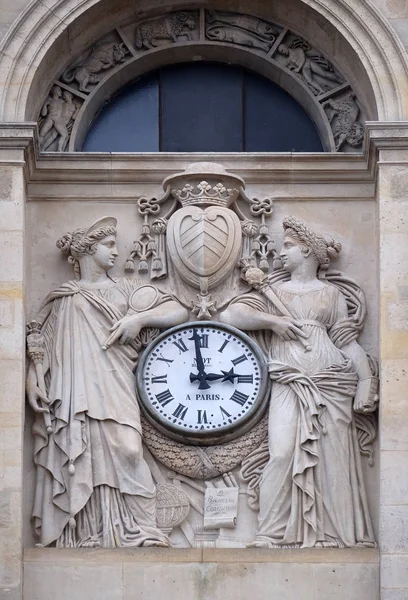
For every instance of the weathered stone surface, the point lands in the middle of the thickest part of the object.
(176, 575)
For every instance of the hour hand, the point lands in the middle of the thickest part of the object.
(202, 378)
(229, 375)
(206, 376)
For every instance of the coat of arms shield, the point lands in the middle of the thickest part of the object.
(204, 244)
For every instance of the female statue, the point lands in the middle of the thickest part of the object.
(93, 485)
(311, 491)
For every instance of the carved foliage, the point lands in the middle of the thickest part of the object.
(202, 462)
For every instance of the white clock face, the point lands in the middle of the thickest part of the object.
(201, 380)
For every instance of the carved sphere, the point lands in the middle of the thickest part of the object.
(172, 506)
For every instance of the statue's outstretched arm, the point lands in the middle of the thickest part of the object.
(164, 315)
(244, 317)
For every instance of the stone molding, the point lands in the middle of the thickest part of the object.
(205, 555)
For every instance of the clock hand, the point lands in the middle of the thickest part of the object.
(207, 377)
(201, 377)
(229, 375)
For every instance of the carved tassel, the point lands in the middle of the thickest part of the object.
(264, 265)
(143, 266)
(157, 264)
(130, 265)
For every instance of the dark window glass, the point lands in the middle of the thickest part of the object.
(202, 107)
(274, 121)
(129, 122)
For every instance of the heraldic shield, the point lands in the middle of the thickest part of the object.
(204, 244)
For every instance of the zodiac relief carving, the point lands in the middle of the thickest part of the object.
(278, 46)
(343, 115)
(283, 415)
(59, 112)
(100, 58)
(171, 27)
(243, 30)
(309, 66)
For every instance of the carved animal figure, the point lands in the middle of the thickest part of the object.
(344, 121)
(101, 58)
(169, 27)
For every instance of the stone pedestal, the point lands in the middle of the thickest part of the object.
(202, 574)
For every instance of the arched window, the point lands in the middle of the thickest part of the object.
(202, 107)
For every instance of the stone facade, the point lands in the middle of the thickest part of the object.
(361, 198)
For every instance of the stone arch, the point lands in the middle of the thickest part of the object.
(352, 32)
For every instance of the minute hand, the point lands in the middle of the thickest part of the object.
(200, 363)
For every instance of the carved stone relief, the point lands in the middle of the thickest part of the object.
(316, 71)
(172, 27)
(111, 473)
(343, 113)
(90, 68)
(276, 44)
(57, 118)
(243, 30)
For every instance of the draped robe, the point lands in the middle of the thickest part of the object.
(312, 489)
(93, 484)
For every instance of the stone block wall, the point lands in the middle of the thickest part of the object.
(393, 221)
(12, 367)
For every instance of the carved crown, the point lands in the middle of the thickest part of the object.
(204, 184)
(205, 193)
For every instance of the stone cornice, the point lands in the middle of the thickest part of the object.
(385, 135)
(18, 143)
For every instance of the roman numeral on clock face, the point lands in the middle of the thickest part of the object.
(245, 378)
(223, 346)
(204, 340)
(239, 397)
(224, 413)
(202, 416)
(180, 412)
(164, 397)
(239, 360)
(168, 361)
(181, 345)
(159, 379)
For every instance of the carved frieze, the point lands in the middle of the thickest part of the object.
(70, 94)
(90, 68)
(243, 30)
(169, 28)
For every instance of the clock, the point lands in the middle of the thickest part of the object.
(203, 383)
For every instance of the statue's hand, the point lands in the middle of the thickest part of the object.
(125, 330)
(287, 328)
(366, 398)
(35, 397)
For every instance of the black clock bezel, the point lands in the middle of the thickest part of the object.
(225, 433)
